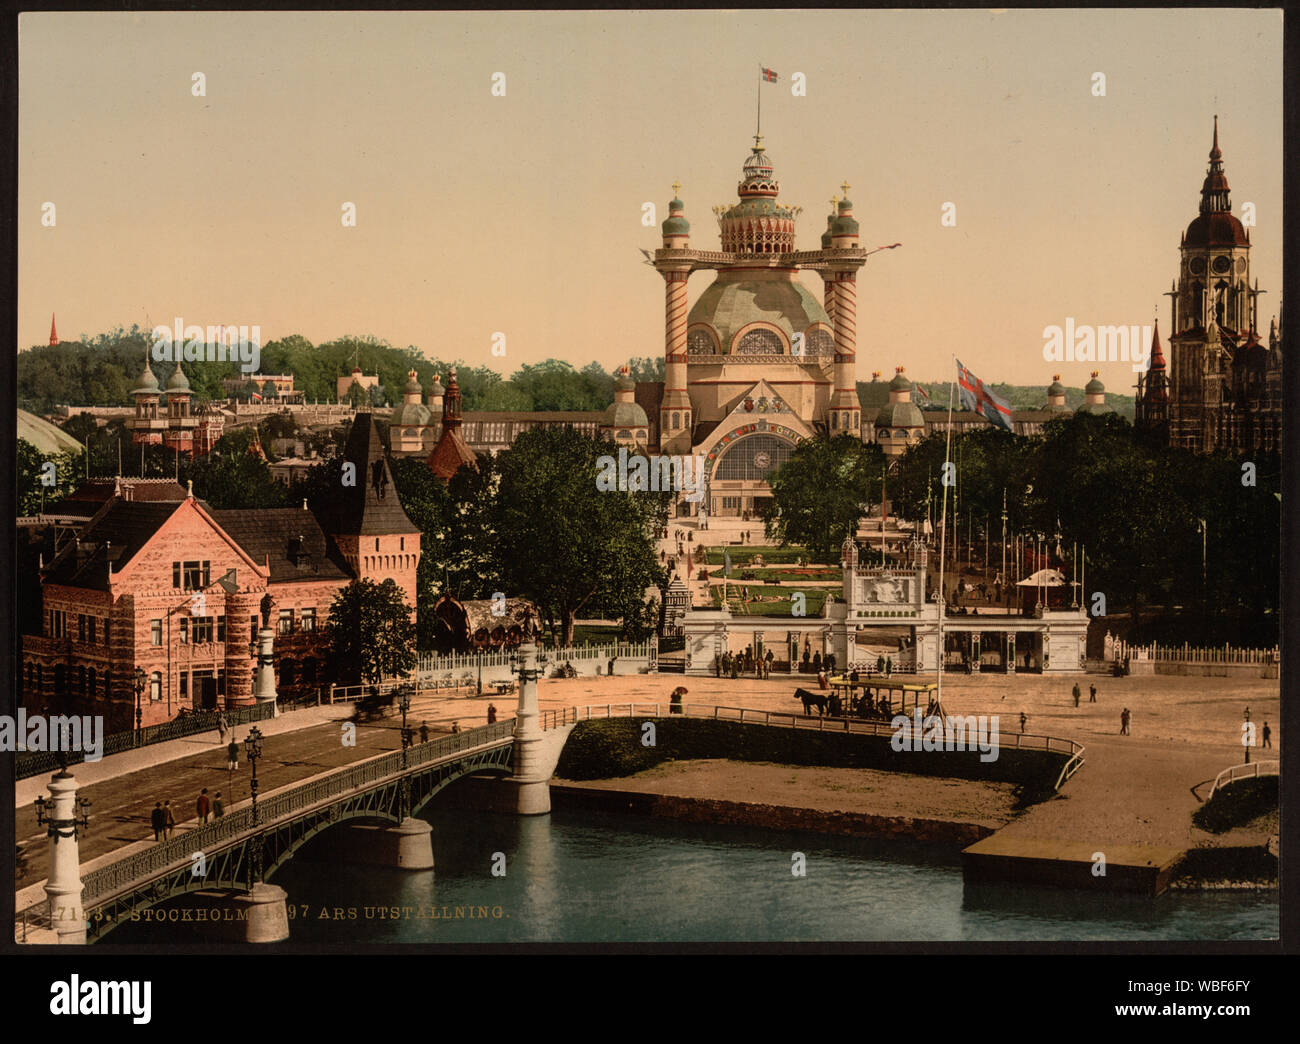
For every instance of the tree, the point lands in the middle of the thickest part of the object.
(562, 541)
(232, 477)
(33, 471)
(370, 633)
(821, 492)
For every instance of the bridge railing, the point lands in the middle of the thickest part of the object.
(107, 880)
(1247, 771)
(793, 719)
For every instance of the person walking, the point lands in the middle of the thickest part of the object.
(222, 727)
(492, 714)
(1123, 722)
(455, 727)
(157, 821)
(232, 755)
(218, 806)
(1092, 693)
(169, 820)
(424, 732)
(1024, 719)
(1076, 694)
(203, 806)
(1268, 733)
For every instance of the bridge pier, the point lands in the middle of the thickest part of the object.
(267, 916)
(407, 845)
(537, 750)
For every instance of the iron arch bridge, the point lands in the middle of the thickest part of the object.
(288, 819)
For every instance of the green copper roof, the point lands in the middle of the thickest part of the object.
(899, 415)
(728, 307)
(148, 383)
(178, 382)
(626, 415)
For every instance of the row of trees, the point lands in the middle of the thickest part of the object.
(102, 372)
(1187, 544)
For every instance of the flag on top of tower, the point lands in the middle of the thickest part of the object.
(974, 396)
(769, 74)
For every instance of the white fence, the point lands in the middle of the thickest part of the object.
(1118, 649)
(587, 660)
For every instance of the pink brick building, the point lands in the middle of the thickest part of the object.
(178, 590)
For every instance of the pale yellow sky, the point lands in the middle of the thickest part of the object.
(522, 214)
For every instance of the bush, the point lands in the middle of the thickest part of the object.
(1237, 804)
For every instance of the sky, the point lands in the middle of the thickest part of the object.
(480, 213)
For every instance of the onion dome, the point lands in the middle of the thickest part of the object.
(412, 384)
(1056, 396)
(625, 411)
(178, 382)
(1215, 225)
(148, 383)
(899, 415)
(1094, 395)
(676, 224)
(410, 415)
(900, 383)
(1056, 387)
(830, 221)
(845, 224)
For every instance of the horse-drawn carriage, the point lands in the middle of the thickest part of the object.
(870, 699)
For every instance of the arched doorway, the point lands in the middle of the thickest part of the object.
(743, 463)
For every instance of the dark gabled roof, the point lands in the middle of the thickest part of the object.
(371, 507)
(702, 431)
(116, 534)
(88, 498)
(289, 538)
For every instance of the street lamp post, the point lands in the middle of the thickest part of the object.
(408, 737)
(139, 691)
(253, 749)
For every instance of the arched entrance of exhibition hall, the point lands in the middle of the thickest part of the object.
(738, 482)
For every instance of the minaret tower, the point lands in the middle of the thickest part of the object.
(843, 275)
(675, 411)
(828, 281)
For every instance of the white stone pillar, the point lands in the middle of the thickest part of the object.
(64, 886)
(537, 751)
(264, 686)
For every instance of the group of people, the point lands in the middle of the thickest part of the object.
(163, 819)
(733, 665)
(864, 706)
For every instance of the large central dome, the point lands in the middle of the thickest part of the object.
(757, 312)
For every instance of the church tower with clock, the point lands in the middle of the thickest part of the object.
(1223, 390)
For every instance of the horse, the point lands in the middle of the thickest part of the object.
(810, 700)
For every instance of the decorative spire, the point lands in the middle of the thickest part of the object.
(54, 334)
(1214, 191)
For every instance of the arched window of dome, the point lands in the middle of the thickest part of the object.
(624, 434)
(699, 342)
(819, 342)
(760, 341)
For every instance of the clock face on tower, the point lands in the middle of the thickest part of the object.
(762, 459)
(1222, 264)
(1196, 266)
(1241, 264)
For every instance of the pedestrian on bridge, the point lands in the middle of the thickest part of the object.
(169, 820)
(424, 732)
(157, 821)
(1092, 693)
(455, 727)
(492, 714)
(232, 754)
(1268, 733)
(1024, 719)
(218, 806)
(1123, 722)
(1077, 694)
(221, 728)
(203, 806)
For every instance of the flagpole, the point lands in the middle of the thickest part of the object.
(758, 127)
(943, 535)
